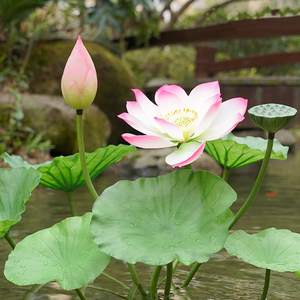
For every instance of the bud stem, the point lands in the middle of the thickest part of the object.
(82, 155)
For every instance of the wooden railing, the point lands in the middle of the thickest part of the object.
(241, 29)
(207, 67)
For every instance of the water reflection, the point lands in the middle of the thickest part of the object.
(222, 278)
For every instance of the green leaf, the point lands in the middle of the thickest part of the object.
(15, 189)
(65, 253)
(236, 152)
(274, 249)
(65, 173)
(182, 215)
(17, 161)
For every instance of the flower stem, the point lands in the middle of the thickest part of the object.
(226, 173)
(153, 282)
(135, 279)
(168, 281)
(72, 203)
(266, 286)
(80, 294)
(82, 155)
(188, 167)
(10, 240)
(191, 274)
(258, 181)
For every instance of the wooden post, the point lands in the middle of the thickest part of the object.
(204, 59)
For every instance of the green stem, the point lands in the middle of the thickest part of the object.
(188, 167)
(175, 264)
(258, 181)
(266, 286)
(72, 203)
(191, 274)
(32, 291)
(82, 155)
(168, 281)
(10, 240)
(106, 290)
(153, 282)
(123, 285)
(226, 173)
(135, 279)
(80, 294)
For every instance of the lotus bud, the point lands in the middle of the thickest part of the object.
(79, 80)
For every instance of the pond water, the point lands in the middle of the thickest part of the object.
(222, 278)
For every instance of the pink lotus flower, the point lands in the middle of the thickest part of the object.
(182, 120)
(79, 80)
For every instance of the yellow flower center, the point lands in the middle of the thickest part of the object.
(183, 118)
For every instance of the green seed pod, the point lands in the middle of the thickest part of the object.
(272, 117)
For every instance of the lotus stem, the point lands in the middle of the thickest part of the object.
(107, 290)
(32, 291)
(72, 203)
(168, 281)
(10, 240)
(82, 155)
(80, 294)
(135, 279)
(188, 167)
(258, 181)
(191, 274)
(226, 173)
(123, 285)
(153, 282)
(266, 286)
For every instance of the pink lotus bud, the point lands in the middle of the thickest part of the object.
(79, 80)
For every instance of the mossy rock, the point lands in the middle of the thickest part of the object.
(53, 116)
(115, 80)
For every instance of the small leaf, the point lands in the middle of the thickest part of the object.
(16, 186)
(274, 249)
(236, 152)
(182, 215)
(17, 161)
(65, 253)
(65, 173)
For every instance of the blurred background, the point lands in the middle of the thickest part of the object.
(136, 44)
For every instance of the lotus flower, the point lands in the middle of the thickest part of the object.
(182, 120)
(79, 80)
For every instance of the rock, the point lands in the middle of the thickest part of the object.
(115, 81)
(150, 163)
(52, 115)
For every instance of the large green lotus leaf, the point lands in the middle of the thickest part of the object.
(236, 152)
(65, 253)
(182, 215)
(274, 249)
(65, 173)
(16, 186)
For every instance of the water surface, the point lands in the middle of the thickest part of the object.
(222, 278)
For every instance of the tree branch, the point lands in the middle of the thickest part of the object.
(175, 15)
(213, 9)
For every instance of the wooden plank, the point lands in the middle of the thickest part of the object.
(241, 29)
(254, 61)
